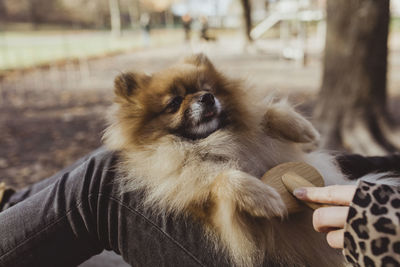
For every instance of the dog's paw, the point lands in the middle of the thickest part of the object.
(259, 199)
(248, 194)
(283, 122)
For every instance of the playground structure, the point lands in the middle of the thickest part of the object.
(293, 17)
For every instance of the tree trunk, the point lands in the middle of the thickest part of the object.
(3, 11)
(134, 12)
(351, 110)
(115, 16)
(34, 13)
(247, 18)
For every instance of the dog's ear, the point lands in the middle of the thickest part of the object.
(199, 60)
(126, 84)
(281, 121)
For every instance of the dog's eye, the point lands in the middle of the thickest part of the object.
(174, 104)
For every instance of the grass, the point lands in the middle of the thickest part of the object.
(395, 24)
(24, 49)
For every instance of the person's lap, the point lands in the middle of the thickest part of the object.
(79, 212)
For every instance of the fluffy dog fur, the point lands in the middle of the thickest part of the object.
(192, 141)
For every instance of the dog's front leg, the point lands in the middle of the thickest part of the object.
(236, 195)
(239, 191)
(281, 121)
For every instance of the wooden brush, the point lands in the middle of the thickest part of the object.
(286, 177)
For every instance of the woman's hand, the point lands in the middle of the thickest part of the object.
(330, 220)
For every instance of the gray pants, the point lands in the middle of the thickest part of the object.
(77, 213)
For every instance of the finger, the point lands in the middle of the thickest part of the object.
(329, 217)
(334, 194)
(335, 238)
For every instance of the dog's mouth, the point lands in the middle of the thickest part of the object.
(203, 120)
(210, 123)
(209, 115)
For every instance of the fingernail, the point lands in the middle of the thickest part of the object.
(300, 192)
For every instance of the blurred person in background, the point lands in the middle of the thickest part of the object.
(187, 25)
(145, 25)
(204, 34)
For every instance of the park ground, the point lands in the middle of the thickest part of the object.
(51, 116)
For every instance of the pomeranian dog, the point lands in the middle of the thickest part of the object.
(193, 141)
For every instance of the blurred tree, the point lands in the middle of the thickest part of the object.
(246, 5)
(35, 12)
(115, 16)
(351, 108)
(41, 11)
(86, 13)
(134, 12)
(3, 10)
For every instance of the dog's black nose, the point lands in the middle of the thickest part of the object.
(207, 99)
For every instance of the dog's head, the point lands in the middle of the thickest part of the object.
(190, 100)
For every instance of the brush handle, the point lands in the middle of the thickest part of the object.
(297, 174)
(291, 181)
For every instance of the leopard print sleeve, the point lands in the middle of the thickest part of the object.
(372, 230)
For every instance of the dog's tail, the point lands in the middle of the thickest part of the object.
(349, 168)
(355, 166)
